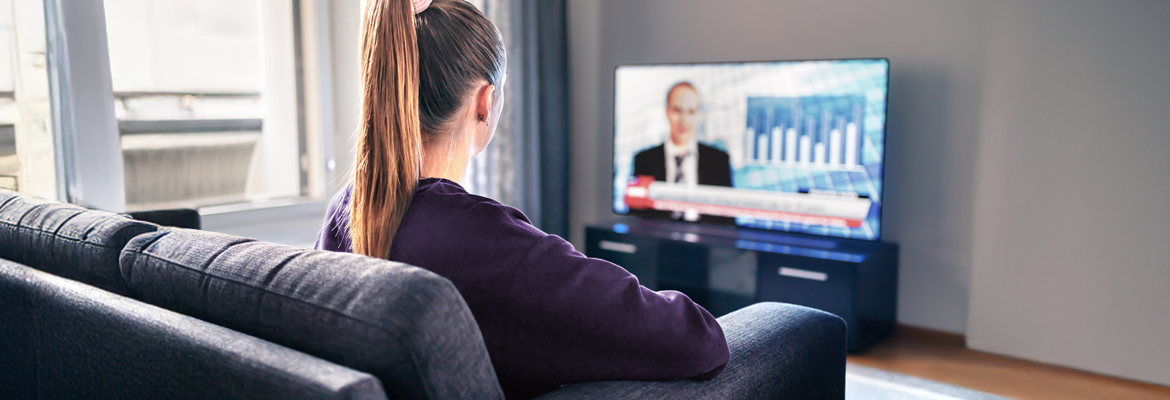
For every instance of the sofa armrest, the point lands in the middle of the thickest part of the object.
(778, 351)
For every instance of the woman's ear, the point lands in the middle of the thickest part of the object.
(483, 103)
(482, 133)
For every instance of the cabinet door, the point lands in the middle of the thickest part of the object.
(826, 285)
(637, 254)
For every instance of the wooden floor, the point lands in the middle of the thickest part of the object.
(944, 358)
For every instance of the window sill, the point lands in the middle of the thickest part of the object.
(293, 221)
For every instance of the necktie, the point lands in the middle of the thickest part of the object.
(678, 178)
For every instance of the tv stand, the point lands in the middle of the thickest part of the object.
(727, 268)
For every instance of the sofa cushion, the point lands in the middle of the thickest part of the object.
(405, 325)
(61, 339)
(66, 240)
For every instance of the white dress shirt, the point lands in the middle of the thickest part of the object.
(690, 171)
(690, 165)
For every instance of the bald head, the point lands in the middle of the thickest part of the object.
(682, 110)
(683, 86)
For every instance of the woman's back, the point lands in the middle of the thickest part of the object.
(549, 315)
(431, 75)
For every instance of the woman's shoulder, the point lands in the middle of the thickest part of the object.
(446, 201)
(339, 204)
(334, 235)
(443, 206)
(447, 228)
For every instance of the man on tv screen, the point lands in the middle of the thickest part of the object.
(682, 159)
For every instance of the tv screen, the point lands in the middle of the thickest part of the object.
(793, 146)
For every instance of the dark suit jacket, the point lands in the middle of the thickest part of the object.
(714, 165)
(714, 169)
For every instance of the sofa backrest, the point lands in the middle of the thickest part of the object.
(61, 339)
(66, 240)
(407, 326)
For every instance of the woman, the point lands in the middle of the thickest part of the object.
(432, 75)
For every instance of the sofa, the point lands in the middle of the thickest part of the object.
(101, 305)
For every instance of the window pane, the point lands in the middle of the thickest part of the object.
(207, 101)
(26, 134)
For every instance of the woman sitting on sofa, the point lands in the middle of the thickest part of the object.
(432, 75)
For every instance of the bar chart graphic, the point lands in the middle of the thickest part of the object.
(810, 143)
(819, 132)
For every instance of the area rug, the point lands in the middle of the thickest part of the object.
(864, 383)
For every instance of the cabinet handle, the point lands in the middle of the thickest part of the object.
(804, 274)
(618, 247)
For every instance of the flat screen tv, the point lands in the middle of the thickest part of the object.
(792, 146)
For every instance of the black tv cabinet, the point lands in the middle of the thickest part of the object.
(726, 268)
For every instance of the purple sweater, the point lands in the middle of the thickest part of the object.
(549, 315)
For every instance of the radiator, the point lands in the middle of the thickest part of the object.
(195, 168)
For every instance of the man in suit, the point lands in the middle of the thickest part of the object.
(682, 159)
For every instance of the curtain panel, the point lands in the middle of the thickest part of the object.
(527, 164)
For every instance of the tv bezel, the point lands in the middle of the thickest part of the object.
(885, 142)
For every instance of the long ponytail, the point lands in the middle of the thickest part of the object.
(389, 148)
(416, 71)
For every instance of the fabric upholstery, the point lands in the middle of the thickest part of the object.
(778, 351)
(66, 240)
(405, 325)
(61, 339)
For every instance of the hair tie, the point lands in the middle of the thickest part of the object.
(420, 5)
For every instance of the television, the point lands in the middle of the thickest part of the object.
(791, 146)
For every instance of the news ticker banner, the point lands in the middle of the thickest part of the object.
(815, 208)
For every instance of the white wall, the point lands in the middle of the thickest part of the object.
(1071, 257)
(935, 51)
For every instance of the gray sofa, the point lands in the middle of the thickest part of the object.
(98, 305)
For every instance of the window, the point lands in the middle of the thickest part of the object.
(210, 98)
(27, 158)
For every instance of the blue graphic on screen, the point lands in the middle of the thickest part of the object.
(788, 127)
